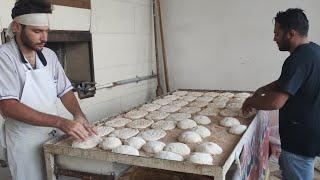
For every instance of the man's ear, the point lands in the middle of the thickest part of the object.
(16, 27)
(291, 33)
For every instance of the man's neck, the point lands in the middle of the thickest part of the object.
(298, 43)
(28, 53)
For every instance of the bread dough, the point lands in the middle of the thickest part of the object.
(136, 142)
(190, 110)
(164, 125)
(91, 142)
(124, 133)
(136, 114)
(201, 158)
(201, 119)
(153, 134)
(180, 93)
(150, 107)
(117, 122)
(210, 148)
(238, 129)
(140, 123)
(178, 148)
(168, 156)
(162, 102)
(229, 121)
(125, 149)
(228, 112)
(157, 115)
(104, 130)
(109, 143)
(209, 111)
(153, 147)
(189, 98)
(217, 104)
(178, 116)
(205, 98)
(186, 124)
(196, 94)
(198, 104)
(190, 137)
(234, 106)
(171, 97)
(202, 131)
(179, 103)
(170, 108)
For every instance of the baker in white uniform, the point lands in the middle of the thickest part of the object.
(31, 81)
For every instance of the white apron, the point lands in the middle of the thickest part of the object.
(24, 141)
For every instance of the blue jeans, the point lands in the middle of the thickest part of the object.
(296, 167)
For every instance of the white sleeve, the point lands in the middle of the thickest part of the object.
(9, 86)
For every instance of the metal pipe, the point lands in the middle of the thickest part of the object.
(127, 81)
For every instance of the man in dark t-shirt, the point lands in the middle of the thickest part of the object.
(296, 94)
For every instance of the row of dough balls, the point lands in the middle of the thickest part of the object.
(234, 125)
(168, 122)
(173, 151)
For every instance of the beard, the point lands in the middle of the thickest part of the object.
(284, 44)
(28, 42)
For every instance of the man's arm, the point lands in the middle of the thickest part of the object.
(272, 100)
(16, 110)
(265, 89)
(71, 104)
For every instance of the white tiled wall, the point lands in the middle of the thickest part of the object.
(122, 48)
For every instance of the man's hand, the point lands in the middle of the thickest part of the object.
(74, 128)
(90, 128)
(246, 107)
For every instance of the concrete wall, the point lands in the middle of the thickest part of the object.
(122, 48)
(226, 44)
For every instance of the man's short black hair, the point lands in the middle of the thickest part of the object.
(22, 7)
(293, 18)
